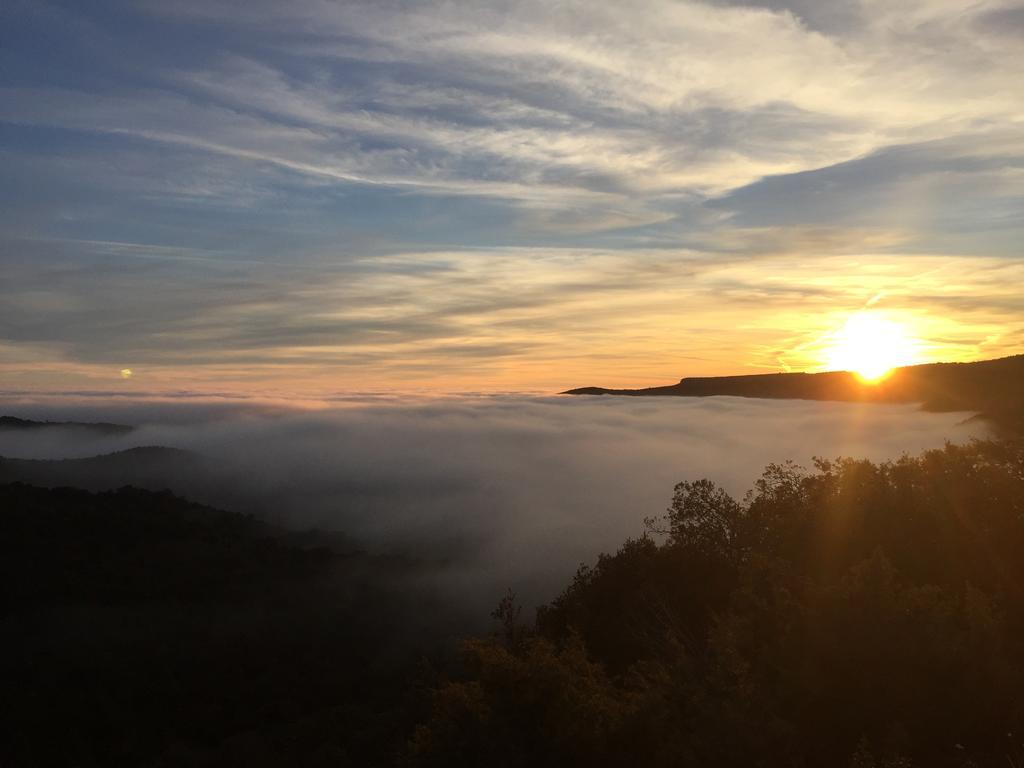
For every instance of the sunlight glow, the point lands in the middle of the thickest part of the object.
(870, 346)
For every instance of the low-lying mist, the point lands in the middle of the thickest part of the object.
(491, 492)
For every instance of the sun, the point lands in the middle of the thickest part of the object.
(870, 346)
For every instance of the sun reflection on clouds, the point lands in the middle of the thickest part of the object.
(511, 319)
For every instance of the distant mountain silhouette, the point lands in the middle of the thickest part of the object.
(151, 467)
(993, 388)
(14, 423)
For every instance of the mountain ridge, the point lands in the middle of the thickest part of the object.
(992, 388)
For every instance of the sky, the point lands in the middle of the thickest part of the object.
(308, 197)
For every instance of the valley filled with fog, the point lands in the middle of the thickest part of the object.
(485, 493)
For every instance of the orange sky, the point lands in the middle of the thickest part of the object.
(686, 316)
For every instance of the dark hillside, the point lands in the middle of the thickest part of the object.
(151, 467)
(137, 628)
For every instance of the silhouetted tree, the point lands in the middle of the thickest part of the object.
(858, 614)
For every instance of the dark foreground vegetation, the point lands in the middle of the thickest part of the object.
(990, 387)
(855, 615)
(137, 628)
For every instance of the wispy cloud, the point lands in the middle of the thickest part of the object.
(535, 318)
(533, 102)
(297, 191)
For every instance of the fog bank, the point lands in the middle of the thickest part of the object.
(495, 492)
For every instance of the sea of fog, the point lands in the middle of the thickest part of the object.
(493, 492)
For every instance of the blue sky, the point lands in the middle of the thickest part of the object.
(499, 195)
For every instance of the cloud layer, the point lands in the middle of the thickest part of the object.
(245, 194)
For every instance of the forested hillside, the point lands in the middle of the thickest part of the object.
(854, 615)
(137, 628)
